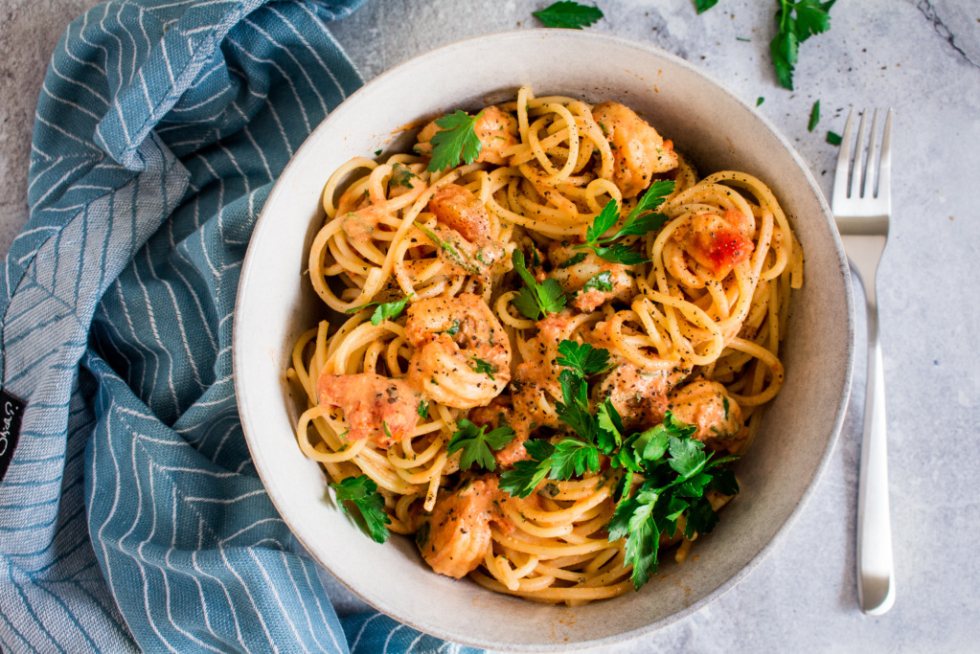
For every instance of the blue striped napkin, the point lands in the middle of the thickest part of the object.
(130, 513)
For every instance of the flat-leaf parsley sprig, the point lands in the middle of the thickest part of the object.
(476, 444)
(456, 140)
(673, 470)
(363, 493)
(676, 474)
(578, 452)
(535, 300)
(640, 220)
(568, 14)
(796, 22)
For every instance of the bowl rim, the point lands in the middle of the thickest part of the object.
(265, 222)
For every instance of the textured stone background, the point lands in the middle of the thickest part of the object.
(921, 57)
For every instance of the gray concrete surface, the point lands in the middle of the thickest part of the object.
(921, 57)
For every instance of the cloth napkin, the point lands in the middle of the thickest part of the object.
(131, 516)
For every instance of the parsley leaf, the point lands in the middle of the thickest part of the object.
(834, 138)
(568, 14)
(573, 457)
(363, 493)
(759, 101)
(704, 5)
(639, 221)
(601, 282)
(583, 358)
(485, 367)
(453, 329)
(423, 409)
(526, 475)
(610, 427)
(401, 175)
(796, 22)
(536, 299)
(677, 473)
(814, 116)
(476, 444)
(456, 140)
(577, 259)
(385, 311)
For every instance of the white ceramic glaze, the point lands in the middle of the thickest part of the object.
(716, 130)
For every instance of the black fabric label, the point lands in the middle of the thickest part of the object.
(11, 413)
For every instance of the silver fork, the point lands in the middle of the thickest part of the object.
(862, 205)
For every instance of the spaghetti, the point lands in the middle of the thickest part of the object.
(693, 329)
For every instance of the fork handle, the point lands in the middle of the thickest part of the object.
(875, 568)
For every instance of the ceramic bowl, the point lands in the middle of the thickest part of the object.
(716, 130)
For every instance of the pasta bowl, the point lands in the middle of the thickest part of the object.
(716, 130)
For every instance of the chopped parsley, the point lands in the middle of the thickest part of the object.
(568, 14)
(423, 409)
(759, 101)
(834, 138)
(601, 282)
(456, 140)
(453, 329)
(402, 176)
(363, 493)
(385, 311)
(476, 444)
(575, 260)
(814, 116)
(484, 367)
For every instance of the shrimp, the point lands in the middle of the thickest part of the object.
(638, 150)
(497, 131)
(707, 406)
(457, 208)
(591, 281)
(384, 409)
(462, 354)
(719, 243)
(640, 396)
(457, 537)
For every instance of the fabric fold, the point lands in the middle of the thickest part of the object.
(130, 515)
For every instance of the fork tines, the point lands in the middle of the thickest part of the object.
(860, 177)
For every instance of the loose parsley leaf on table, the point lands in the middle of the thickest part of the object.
(363, 493)
(796, 22)
(476, 444)
(834, 138)
(536, 299)
(568, 14)
(759, 101)
(814, 116)
(640, 220)
(704, 5)
(456, 140)
(385, 311)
